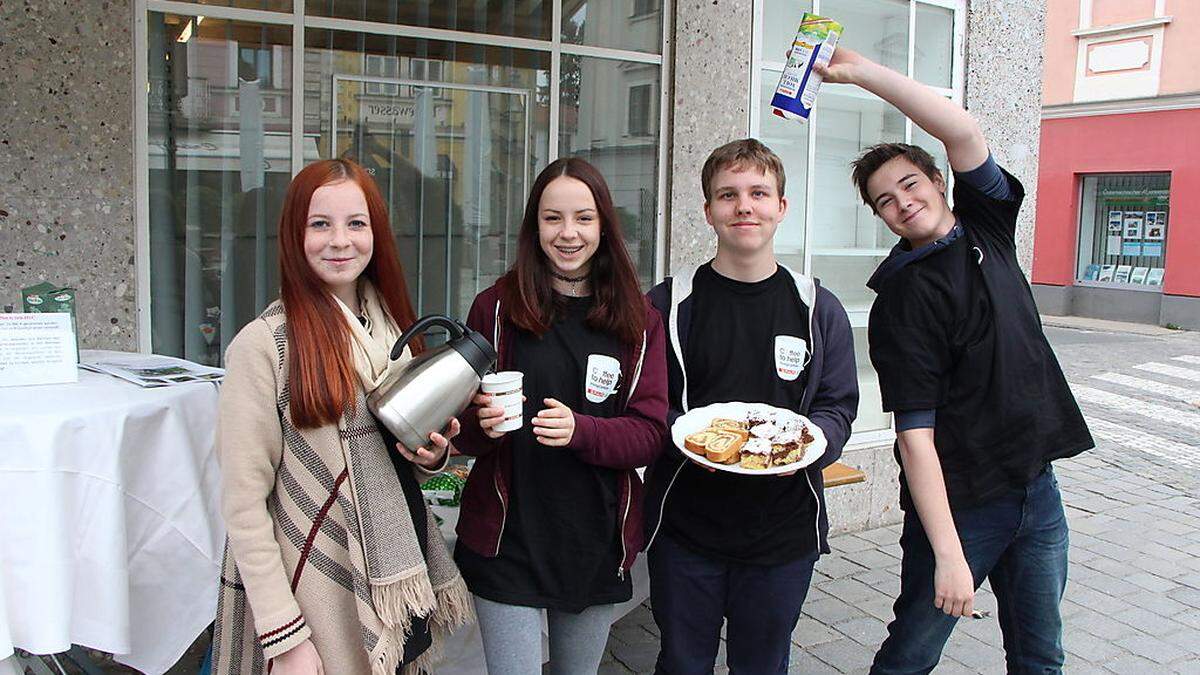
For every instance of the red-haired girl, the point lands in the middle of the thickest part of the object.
(333, 562)
(551, 514)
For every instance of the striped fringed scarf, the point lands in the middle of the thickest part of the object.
(349, 548)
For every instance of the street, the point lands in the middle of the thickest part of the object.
(1133, 594)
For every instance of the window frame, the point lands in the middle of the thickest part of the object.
(1080, 266)
(299, 23)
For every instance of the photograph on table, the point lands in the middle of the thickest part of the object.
(1139, 275)
(1122, 275)
(1155, 277)
(1106, 272)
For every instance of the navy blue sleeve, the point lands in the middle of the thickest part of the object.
(835, 403)
(915, 419)
(988, 179)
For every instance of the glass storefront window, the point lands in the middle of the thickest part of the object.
(453, 161)
(453, 131)
(933, 58)
(877, 29)
(513, 18)
(609, 116)
(778, 134)
(849, 242)
(270, 5)
(219, 123)
(621, 24)
(845, 241)
(1123, 221)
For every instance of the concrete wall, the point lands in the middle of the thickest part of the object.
(710, 106)
(1004, 92)
(1134, 142)
(66, 160)
(1118, 304)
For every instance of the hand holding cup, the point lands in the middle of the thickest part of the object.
(500, 403)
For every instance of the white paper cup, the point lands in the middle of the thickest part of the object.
(512, 400)
(505, 389)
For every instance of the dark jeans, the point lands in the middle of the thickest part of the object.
(1019, 543)
(691, 595)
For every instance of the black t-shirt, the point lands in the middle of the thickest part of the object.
(730, 355)
(958, 331)
(561, 547)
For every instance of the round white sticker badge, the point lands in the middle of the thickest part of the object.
(790, 353)
(603, 373)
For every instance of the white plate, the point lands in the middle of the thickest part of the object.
(699, 418)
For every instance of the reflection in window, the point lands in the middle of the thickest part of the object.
(609, 23)
(591, 126)
(1123, 222)
(514, 18)
(640, 109)
(643, 7)
(454, 162)
(219, 120)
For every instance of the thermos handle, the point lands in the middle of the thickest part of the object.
(423, 324)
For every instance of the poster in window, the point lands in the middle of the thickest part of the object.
(1131, 249)
(1106, 272)
(1139, 275)
(1156, 222)
(1122, 275)
(1091, 272)
(1155, 277)
(1114, 244)
(1115, 222)
(1133, 224)
(1152, 250)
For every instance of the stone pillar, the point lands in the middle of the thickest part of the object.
(710, 106)
(1004, 92)
(66, 160)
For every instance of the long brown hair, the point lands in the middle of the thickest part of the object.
(527, 297)
(322, 379)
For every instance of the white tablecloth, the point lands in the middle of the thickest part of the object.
(110, 535)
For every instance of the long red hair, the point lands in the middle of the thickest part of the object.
(322, 379)
(527, 297)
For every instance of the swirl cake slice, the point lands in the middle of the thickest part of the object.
(724, 447)
(698, 441)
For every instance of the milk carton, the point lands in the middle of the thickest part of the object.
(797, 89)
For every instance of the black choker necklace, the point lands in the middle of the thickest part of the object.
(563, 277)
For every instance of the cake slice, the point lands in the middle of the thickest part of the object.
(724, 447)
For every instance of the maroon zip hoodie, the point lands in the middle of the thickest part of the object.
(632, 440)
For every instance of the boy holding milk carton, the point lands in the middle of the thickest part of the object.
(981, 404)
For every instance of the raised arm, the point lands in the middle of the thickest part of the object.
(937, 115)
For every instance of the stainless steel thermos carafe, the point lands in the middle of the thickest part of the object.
(421, 396)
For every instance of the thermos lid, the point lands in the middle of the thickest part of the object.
(476, 350)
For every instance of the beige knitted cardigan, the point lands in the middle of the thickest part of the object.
(300, 475)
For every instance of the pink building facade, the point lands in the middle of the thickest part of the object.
(1118, 213)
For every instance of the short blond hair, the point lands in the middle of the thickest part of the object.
(745, 153)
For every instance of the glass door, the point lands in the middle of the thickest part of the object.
(450, 133)
(441, 154)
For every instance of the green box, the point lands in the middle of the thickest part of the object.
(46, 298)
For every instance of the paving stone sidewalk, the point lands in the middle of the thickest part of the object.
(1133, 596)
(1132, 602)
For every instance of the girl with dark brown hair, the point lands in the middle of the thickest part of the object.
(551, 514)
